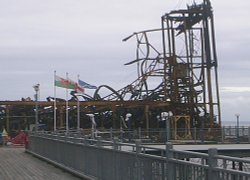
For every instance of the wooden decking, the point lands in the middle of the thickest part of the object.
(15, 164)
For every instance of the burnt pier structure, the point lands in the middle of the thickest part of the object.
(177, 80)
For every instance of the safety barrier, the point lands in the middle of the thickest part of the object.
(228, 134)
(113, 160)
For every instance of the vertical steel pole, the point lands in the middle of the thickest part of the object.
(164, 58)
(237, 127)
(36, 126)
(248, 134)
(212, 163)
(166, 121)
(222, 134)
(216, 69)
(138, 160)
(36, 88)
(7, 119)
(55, 120)
(170, 172)
(168, 127)
(78, 115)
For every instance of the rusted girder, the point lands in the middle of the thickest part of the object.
(128, 104)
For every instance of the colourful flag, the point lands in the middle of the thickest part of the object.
(79, 89)
(64, 83)
(86, 85)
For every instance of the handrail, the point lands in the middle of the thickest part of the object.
(211, 165)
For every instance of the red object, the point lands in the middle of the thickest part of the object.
(20, 139)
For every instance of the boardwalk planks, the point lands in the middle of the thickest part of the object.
(15, 164)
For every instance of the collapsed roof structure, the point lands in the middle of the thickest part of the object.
(180, 67)
(177, 75)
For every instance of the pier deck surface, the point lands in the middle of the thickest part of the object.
(15, 164)
(237, 150)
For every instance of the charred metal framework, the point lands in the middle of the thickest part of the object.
(181, 69)
(190, 62)
(177, 74)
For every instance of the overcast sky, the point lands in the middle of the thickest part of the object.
(85, 37)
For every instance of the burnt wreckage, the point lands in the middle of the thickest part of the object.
(180, 69)
(177, 78)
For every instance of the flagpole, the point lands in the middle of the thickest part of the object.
(78, 109)
(67, 103)
(54, 101)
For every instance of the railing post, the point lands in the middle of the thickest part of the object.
(249, 134)
(111, 133)
(138, 162)
(139, 132)
(115, 143)
(99, 142)
(121, 134)
(195, 134)
(86, 142)
(202, 134)
(237, 134)
(223, 134)
(138, 145)
(170, 166)
(212, 163)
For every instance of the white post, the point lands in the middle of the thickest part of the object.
(67, 104)
(78, 108)
(237, 127)
(54, 101)
(78, 115)
(36, 88)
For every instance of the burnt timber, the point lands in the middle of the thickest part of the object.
(176, 74)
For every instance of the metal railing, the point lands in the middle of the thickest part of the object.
(229, 134)
(114, 160)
